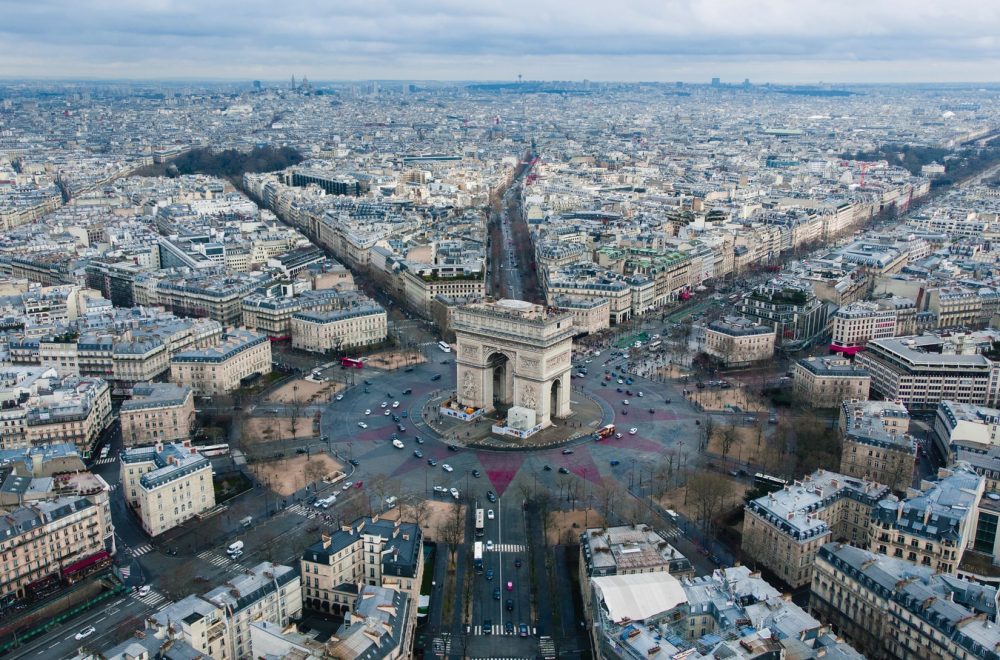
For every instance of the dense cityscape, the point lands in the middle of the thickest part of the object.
(518, 369)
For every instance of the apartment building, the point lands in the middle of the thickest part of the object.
(921, 371)
(157, 412)
(956, 307)
(222, 368)
(890, 608)
(826, 382)
(737, 342)
(785, 529)
(856, 324)
(339, 329)
(39, 407)
(732, 613)
(166, 484)
(590, 315)
(50, 543)
(877, 445)
(629, 550)
(367, 552)
(592, 284)
(790, 307)
(933, 526)
(420, 288)
(272, 314)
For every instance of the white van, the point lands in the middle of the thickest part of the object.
(235, 547)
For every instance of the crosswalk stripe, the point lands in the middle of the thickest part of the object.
(508, 547)
(495, 629)
(141, 550)
(106, 460)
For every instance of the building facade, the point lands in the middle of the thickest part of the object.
(166, 484)
(738, 342)
(826, 382)
(157, 412)
(222, 368)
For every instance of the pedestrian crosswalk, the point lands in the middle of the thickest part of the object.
(497, 629)
(114, 487)
(141, 550)
(214, 558)
(106, 460)
(303, 510)
(671, 533)
(125, 571)
(152, 599)
(507, 547)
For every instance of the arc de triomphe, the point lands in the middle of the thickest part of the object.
(512, 352)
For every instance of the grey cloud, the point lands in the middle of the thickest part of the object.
(391, 38)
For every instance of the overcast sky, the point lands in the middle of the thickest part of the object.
(692, 40)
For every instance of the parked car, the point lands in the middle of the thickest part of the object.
(440, 490)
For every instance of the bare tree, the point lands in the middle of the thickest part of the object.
(293, 422)
(709, 492)
(728, 438)
(454, 529)
(314, 470)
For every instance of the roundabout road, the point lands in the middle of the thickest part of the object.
(668, 428)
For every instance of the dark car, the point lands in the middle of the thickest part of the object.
(509, 605)
(401, 428)
(508, 627)
(517, 563)
(491, 496)
(408, 390)
(418, 453)
(487, 626)
(431, 462)
(404, 414)
(418, 440)
(625, 411)
(477, 473)
(300, 450)
(354, 462)
(651, 411)
(615, 463)
(408, 370)
(496, 593)
(436, 377)
(452, 448)
(522, 630)
(547, 468)
(567, 451)
(667, 401)
(563, 470)
(489, 574)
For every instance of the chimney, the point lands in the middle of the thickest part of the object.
(326, 541)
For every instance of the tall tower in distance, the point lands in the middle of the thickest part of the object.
(293, 81)
(519, 79)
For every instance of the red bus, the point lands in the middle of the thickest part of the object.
(351, 363)
(606, 431)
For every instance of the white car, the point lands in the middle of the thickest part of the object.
(489, 514)
(395, 404)
(625, 402)
(340, 397)
(633, 431)
(385, 404)
(447, 468)
(454, 493)
(618, 436)
(85, 633)
(388, 412)
(362, 425)
(368, 411)
(398, 444)
(347, 485)
(143, 590)
(489, 545)
(621, 382)
(639, 393)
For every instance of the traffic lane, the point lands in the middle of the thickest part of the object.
(112, 624)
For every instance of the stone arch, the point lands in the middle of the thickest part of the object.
(500, 378)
